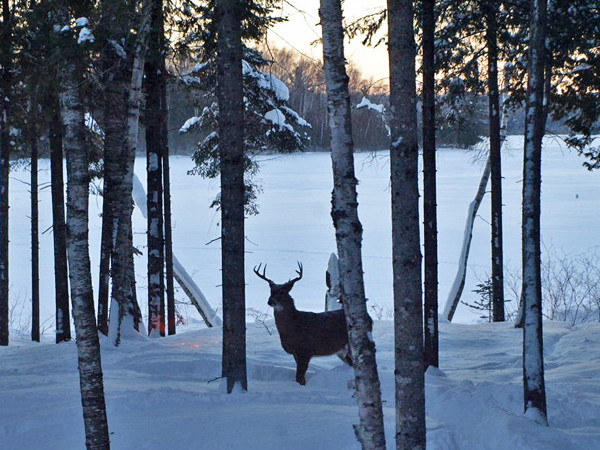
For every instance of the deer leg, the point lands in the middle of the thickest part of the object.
(301, 368)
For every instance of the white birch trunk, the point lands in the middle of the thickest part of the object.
(332, 277)
(123, 295)
(88, 343)
(344, 212)
(535, 122)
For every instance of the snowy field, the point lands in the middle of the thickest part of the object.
(164, 393)
(294, 225)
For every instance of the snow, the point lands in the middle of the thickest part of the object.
(276, 117)
(164, 393)
(82, 21)
(189, 124)
(366, 103)
(267, 81)
(85, 35)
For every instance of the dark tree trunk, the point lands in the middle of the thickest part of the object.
(348, 230)
(170, 276)
(535, 121)
(408, 311)
(430, 233)
(104, 270)
(231, 151)
(5, 82)
(118, 168)
(122, 78)
(495, 160)
(88, 343)
(155, 78)
(61, 273)
(35, 241)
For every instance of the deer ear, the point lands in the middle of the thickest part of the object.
(287, 287)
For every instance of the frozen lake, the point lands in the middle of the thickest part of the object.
(294, 225)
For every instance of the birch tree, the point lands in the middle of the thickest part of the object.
(348, 229)
(231, 153)
(76, 150)
(123, 83)
(408, 311)
(535, 121)
(59, 233)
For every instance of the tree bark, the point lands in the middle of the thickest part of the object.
(535, 121)
(231, 150)
(169, 271)
(430, 232)
(35, 227)
(88, 344)
(105, 256)
(348, 230)
(408, 313)
(5, 94)
(61, 272)
(123, 81)
(154, 117)
(496, 162)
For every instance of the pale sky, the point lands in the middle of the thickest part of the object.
(302, 28)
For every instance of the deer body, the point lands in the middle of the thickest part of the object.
(306, 334)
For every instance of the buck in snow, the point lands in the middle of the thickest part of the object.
(306, 334)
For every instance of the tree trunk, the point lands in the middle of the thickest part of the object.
(535, 121)
(123, 81)
(35, 241)
(231, 151)
(61, 272)
(348, 230)
(459, 281)
(495, 161)
(170, 275)
(429, 189)
(105, 256)
(5, 84)
(153, 114)
(169, 271)
(408, 313)
(88, 344)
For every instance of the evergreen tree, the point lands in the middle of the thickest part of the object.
(408, 310)
(431, 340)
(231, 155)
(5, 114)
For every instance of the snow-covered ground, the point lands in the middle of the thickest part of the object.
(164, 393)
(294, 225)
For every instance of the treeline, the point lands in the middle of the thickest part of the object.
(304, 78)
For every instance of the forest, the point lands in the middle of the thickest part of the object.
(89, 87)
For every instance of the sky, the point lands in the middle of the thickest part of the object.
(302, 28)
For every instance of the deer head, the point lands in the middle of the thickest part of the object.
(279, 298)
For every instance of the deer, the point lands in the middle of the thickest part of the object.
(305, 334)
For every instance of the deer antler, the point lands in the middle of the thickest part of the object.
(299, 272)
(259, 275)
